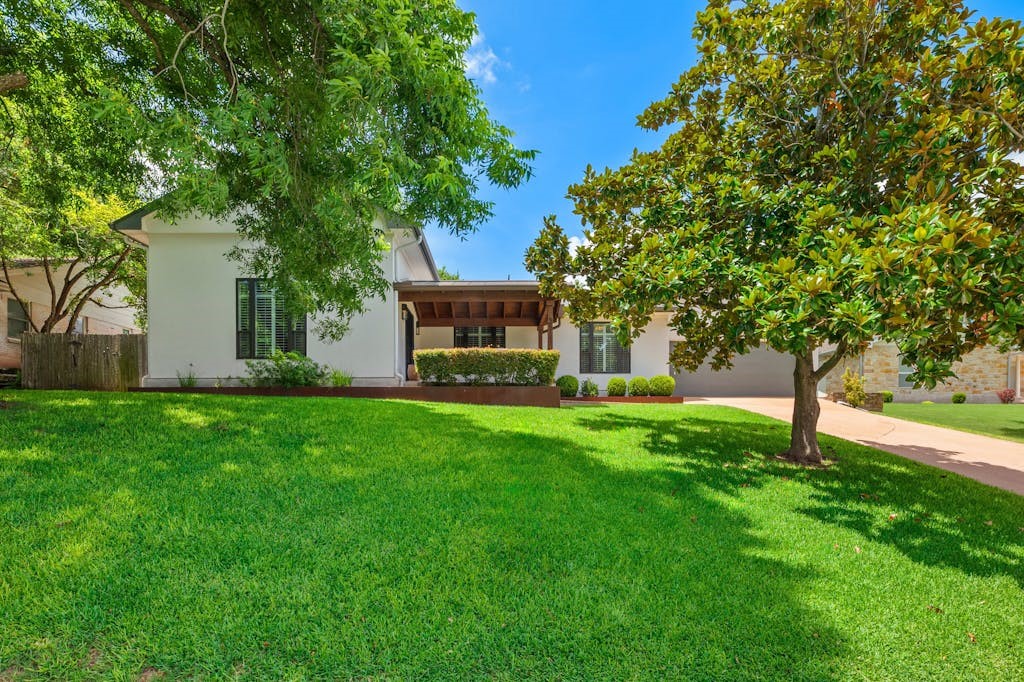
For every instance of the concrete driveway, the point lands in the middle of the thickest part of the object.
(997, 462)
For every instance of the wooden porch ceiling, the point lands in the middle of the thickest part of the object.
(478, 304)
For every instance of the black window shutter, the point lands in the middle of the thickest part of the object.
(244, 318)
(586, 348)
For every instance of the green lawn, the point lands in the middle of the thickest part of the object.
(1000, 421)
(214, 537)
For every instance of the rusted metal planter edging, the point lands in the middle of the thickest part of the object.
(529, 396)
(625, 399)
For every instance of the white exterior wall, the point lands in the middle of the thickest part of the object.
(192, 309)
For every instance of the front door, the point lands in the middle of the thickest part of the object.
(410, 341)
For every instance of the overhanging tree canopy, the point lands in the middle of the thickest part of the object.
(299, 120)
(837, 172)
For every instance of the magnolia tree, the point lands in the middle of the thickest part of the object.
(301, 121)
(835, 172)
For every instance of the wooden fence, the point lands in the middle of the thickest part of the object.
(103, 362)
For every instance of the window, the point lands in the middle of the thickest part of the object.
(600, 350)
(80, 326)
(262, 325)
(905, 371)
(17, 319)
(479, 337)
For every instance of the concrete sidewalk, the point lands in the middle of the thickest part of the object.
(994, 461)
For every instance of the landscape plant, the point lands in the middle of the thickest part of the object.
(568, 385)
(339, 378)
(589, 388)
(831, 173)
(639, 386)
(616, 387)
(853, 387)
(1007, 396)
(959, 398)
(662, 385)
(287, 370)
(480, 366)
(887, 396)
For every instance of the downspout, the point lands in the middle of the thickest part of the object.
(399, 370)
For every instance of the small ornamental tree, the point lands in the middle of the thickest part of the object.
(834, 173)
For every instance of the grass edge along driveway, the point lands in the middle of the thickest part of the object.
(226, 537)
(986, 419)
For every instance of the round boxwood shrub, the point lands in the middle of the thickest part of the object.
(886, 396)
(662, 385)
(589, 389)
(568, 385)
(616, 386)
(639, 386)
(959, 398)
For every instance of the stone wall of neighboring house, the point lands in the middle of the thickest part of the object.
(979, 375)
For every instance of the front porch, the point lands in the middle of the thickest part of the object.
(453, 314)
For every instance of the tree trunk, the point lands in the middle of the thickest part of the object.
(803, 444)
(12, 81)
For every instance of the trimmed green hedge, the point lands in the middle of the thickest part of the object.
(616, 386)
(568, 385)
(486, 366)
(639, 386)
(662, 385)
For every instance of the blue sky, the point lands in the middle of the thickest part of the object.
(569, 77)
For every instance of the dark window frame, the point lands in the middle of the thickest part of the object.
(623, 354)
(496, 336)
(296, 335)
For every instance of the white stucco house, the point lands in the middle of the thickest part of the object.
(207, 317)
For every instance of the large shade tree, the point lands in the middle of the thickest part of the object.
(302, 121)
(834, 172)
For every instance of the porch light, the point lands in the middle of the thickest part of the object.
(405, 311)
(417, 327)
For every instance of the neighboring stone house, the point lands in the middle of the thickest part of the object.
(980, 375)
(106, 313)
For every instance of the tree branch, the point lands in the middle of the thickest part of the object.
(842, 348)
(12, 81)
(17, 297)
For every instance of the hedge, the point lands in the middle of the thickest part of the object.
(616, 386)
(662, 385)
(639, 386)
(486, 366)
(568, 385)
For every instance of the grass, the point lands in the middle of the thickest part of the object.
(1000, 421)
(222, 537)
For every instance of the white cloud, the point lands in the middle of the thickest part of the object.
(575, 243)
(481, 62)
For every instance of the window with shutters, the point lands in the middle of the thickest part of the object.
(262, 324)
(479, 337)
(17, 319)
(600, 350)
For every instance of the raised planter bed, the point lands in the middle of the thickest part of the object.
(625, 399)
(531, 396)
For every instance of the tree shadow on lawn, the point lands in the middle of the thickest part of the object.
(940, 519)
(334, 538)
